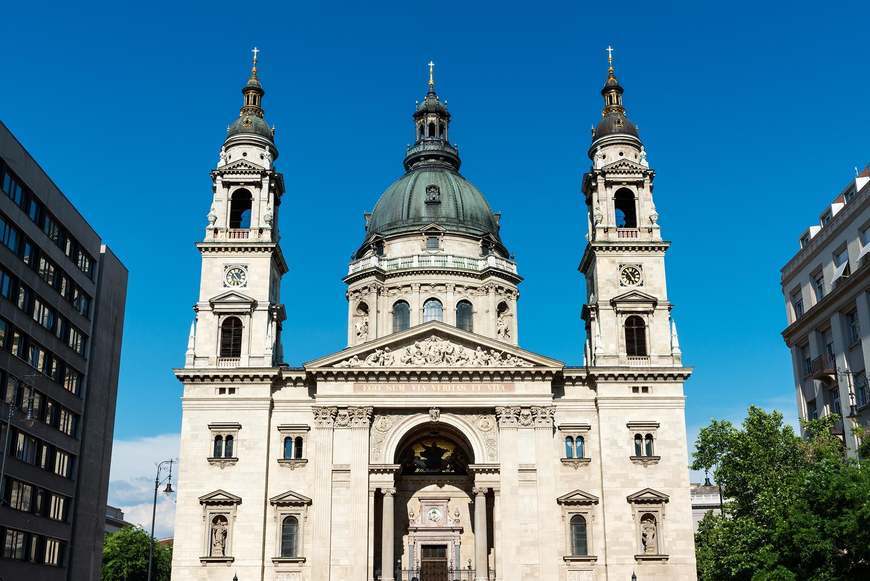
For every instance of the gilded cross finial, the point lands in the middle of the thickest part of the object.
(431, 74)
(609, 50)
(256, 51)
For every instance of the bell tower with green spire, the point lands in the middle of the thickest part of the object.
(239, 315)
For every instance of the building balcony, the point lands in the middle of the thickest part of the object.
(638, 360)
(823, 368)
(447, 261)
(227, 362)
(238, 233)
(627, 233)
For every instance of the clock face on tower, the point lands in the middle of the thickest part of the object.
(630, 276)
(236, 276)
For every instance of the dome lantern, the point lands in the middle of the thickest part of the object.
(431, 125)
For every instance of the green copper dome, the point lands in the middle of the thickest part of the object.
(434, 195)
(250, 124)
(432, 191)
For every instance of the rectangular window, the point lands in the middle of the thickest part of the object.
(853, 330)
(9, 235)
(797, 303)
(14, 544)
(806, 360)
(861, 395)
(76, 340)
(812, 412)
(25, 448)
(66, 421)
(826, 218)
(72, 380)
(53, 552)
(62, 463)
(3, 329)
(819, 285)
(43, 314)
(57, 508)
(47, 271)
(20, 496)
(5, 284)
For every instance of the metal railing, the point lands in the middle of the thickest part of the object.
(452, 575)
(823, 367)
(433, 261)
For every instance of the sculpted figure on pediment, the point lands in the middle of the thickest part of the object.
(436, 351)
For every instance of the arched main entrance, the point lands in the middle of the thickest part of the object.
(439, 517)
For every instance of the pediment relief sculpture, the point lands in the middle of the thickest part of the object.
(435, 352)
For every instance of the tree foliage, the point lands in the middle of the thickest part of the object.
(796, 508)
(125, 557)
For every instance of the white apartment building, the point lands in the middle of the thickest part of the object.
(825, 288)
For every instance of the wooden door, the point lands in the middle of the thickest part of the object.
(433, 561)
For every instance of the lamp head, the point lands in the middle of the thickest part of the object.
(168, 489)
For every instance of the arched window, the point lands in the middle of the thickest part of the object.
(569, 447)
(289, 533)
(218, 450)
(231, 337)
(649, 445)
(465, 316)
(421, 131)
(288, 448)
(626, 211)
(240, 209)
(580, 447)
(432, 130)
(401, 316)
(635, 337)
(297, 448)
(578, 536)
(638, 445)
(433, 311)
(228, 447)
(442, 130)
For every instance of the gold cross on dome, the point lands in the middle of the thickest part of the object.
(431, 73)
(256, 51)
(609, 50)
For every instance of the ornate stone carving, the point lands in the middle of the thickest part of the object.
(485, 423)
(360, 417)
(434, 414)
(543, 416)
(382, 425)
(436, 352)
(507, 416)
(324, 417)
(526, 417)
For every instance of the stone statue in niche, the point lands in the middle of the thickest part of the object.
(361, 326)
(219, 536)
(212, 217)
(502, 328)
(643, 160)
(648, 535)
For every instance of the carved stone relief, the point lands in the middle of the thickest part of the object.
(436, 352)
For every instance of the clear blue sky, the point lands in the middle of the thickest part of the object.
(753, 117)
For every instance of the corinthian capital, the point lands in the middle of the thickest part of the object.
(543, 416)
(360, 417)
(507, 416)
(324, 417)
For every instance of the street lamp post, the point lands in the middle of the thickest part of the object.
(167, 490)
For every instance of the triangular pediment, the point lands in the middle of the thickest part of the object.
(241, 166)
(220, 497)
(635, 297)
(232, 301)
(434, 345)
(648, 495)
(290, 498)
(624, 166)
(577, 497)
(433, 229)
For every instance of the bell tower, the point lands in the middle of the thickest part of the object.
(239, 313)
(627, 313)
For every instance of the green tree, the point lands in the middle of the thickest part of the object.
(125, 557)
(796, 508)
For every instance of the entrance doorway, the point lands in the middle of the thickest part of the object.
(433, 563)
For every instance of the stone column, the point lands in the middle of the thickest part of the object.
(548, 512)
(508, 567)
(371, 544)
(360, 419)
(324, 421)
(497, 533)
(480, 540)
(387, 564)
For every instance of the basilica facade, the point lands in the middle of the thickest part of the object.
(433, 447)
